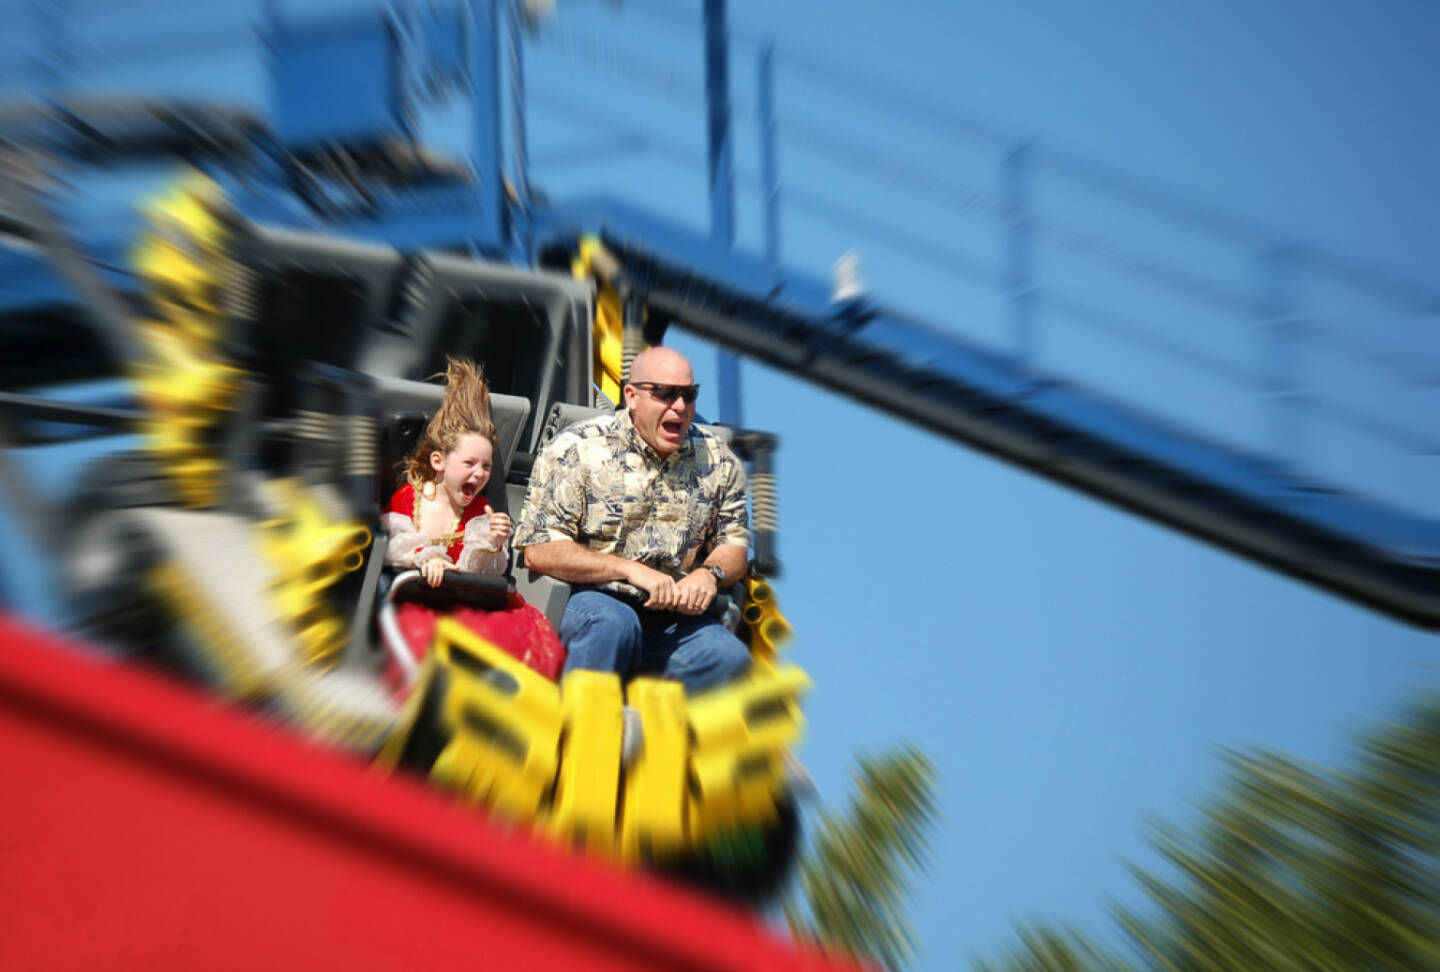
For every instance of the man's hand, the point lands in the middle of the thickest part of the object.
(696, 590)
(664, 592)
(434, 569)
(500, 528)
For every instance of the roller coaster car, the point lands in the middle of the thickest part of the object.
(251, 526)
(699, 787)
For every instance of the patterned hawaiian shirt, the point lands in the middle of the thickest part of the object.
(601, 485)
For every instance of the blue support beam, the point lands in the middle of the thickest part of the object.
(335, 79)
(717, 103)
(486, 141)
(722, 179)
(520, 249)
(769, 164)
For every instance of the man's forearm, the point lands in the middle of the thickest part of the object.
(733, 559)
(573, 563)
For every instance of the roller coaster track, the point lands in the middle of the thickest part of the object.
(1345, 544)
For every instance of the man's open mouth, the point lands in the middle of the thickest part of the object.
(672, 427)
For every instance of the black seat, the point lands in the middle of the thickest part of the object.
(406, 406)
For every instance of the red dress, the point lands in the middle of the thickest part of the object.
(519, 628)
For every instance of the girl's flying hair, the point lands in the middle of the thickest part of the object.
(465, 410)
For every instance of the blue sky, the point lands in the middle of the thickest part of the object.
(1073, 671)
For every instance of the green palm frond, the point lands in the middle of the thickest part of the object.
(852, 885)
(1291, 867)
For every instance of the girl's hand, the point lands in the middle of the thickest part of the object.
(434, 569)
(499, 529)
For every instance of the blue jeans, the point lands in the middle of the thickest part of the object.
(602, 633)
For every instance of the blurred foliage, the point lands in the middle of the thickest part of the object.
(852, 884)
(1292, 867)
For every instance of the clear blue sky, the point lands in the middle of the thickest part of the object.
(1072, 670)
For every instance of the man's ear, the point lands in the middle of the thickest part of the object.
(628, 394)
(437, 460)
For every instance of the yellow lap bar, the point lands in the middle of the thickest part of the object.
(588, 790)
(653, 822)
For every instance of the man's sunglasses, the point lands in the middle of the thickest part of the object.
(668, 393)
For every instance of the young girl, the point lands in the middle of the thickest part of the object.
(439, 520)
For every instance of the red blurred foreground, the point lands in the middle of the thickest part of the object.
(145, 826)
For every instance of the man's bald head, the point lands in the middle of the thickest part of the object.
(665, 366)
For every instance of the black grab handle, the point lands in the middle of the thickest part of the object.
(486, 591)
(636, 598)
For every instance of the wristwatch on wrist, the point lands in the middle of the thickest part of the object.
(718, 572)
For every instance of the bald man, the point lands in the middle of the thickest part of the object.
(640, 498)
